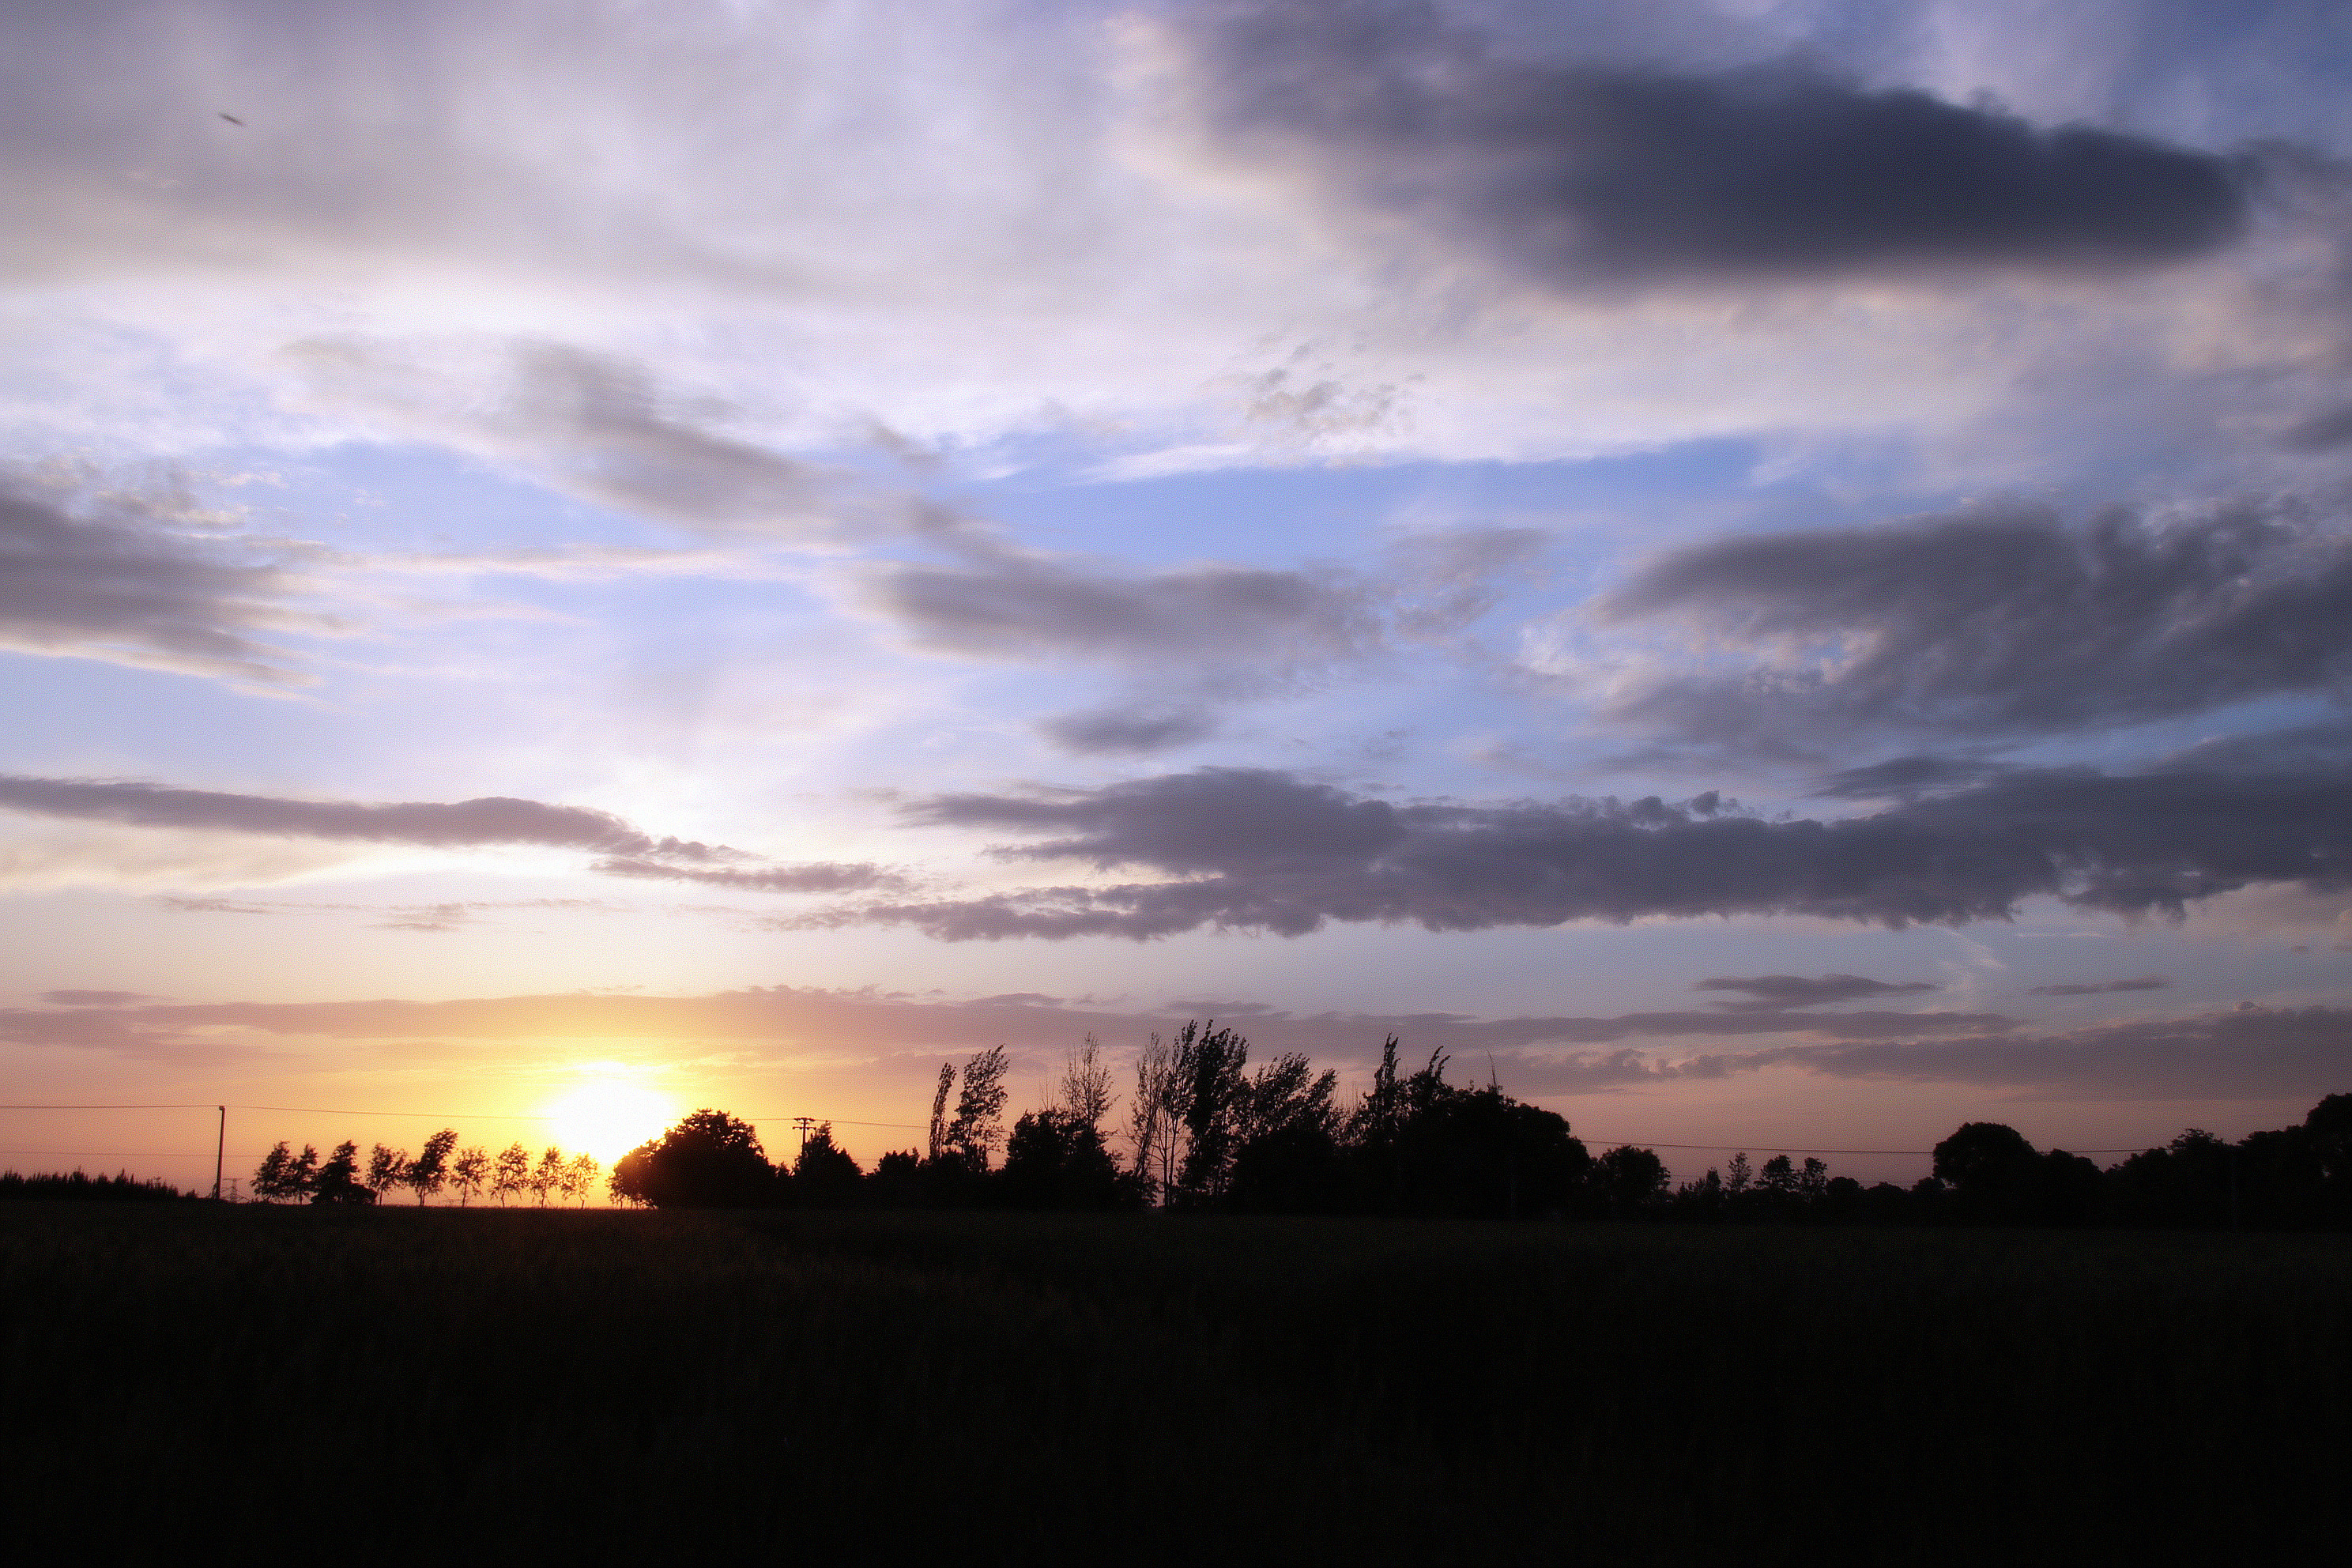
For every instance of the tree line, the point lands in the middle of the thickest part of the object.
(122, 1187)
(1206, 1131)
(284, 1177)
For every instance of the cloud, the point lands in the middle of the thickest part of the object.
(1772, 993)
(2250, 1053)
(95, 998)
(2101, 987)
(212, 906)
(434, 918)
(1187, 639)
(1018, 606)
(873, 1024)
(594, 424)
(815, 877)
(1260, 849)
(2323, 432)
(457, 825)
(2001, 621)
(138, 581)
(460, 824)
(1574, 174)
(1904, 777)
(1109, 732)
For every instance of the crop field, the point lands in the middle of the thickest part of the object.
(466, 1386)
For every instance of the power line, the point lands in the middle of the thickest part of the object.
(423, 1115)
(207, 1105)
(837, 1122)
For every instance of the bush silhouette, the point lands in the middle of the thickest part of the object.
(709, 1160)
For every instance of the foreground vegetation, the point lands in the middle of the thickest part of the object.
(378, 1384)
(1207, 1136)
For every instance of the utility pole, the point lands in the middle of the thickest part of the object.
(804, 1123)
(220, 1150)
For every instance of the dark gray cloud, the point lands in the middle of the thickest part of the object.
(1110, 732)
(127, 581)
(1773, 992)
(2322, 432)
(1266, 850)
(1577, 174)
(2101, 987)
(1024, 608)
(457, 825)
(2251, 1053)
(1999, 622)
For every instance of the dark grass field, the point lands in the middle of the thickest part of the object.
(196, 1381)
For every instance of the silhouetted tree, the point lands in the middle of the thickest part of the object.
(338, 1181)
(274, 1180)
(1425, 1146)
(2066, 1190)
(1155, 1115)
(81, 1186)
(387, 1168)
(512, 1176)
(824, 1176)
(710, 1160)
(976, 1130)
(1738, 1175)
(429, 1172)
(547, 1174)
(939, 1112)
(1084, 1088)
(1056, 1160)
(1812, 1182)
(1209, 1062)
(468, 1171)
(579, 1179)
(1630, 1182)
(897, 1181)
(1701, 1200)
(2186, 1182)
(1287, 1158)
(1989, 1169)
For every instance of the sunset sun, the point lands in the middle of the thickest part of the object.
(607, 1118)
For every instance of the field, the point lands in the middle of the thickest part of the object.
(187, 1379)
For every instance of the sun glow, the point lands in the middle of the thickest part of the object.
(608, 1117)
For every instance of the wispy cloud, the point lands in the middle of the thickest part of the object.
(494, 820)
(139, 580)
(2100, 987)
(1771, 992)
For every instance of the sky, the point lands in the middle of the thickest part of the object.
(1766, 575)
